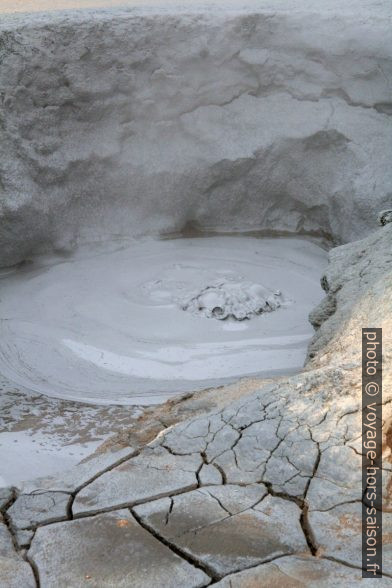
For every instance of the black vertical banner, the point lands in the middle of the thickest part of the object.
(372, 453)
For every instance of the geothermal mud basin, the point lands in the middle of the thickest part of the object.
(133, 322)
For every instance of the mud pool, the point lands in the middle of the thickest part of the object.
(134, 322)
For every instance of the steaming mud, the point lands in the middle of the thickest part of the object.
(135, 322)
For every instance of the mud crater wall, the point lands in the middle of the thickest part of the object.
(131, 123)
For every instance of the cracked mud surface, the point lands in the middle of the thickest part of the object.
(261, 490)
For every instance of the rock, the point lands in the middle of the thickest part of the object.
(226, 528)
(264, 96)
(108, 550)
(30, 510)
(152, 474)
(358, 274)
(298, 572)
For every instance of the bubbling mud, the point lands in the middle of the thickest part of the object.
(235, 300)
(132, 322)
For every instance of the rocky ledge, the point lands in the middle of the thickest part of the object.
(259, 490)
